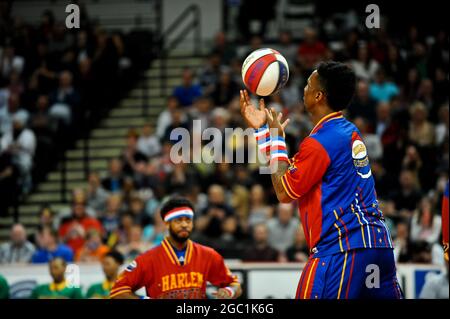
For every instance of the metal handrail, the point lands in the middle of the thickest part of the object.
(195, 25)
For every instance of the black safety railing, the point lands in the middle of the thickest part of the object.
(168, 43)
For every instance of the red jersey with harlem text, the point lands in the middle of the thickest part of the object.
(162, 274)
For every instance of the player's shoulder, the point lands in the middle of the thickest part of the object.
(205, 250)
(151, 253)
(335, 133)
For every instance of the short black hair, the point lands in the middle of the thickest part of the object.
(338, 81)
(114, 254)
(54, 259)
(174, 202)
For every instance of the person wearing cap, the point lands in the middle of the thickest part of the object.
(178, 268)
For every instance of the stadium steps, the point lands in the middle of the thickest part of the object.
(105, 142)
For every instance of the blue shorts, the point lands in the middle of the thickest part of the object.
(354, 274)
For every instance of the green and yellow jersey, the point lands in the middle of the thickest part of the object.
(56, 291)
(4, 288)
(100, 290)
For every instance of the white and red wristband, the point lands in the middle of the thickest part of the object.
(278, 150)
(263, 139)
(230, 292)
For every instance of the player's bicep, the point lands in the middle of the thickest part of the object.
(219, 274)
(306, 169)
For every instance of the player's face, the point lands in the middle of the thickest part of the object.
(181, 228)
(57, 269)
(110, 267)
(312, 93)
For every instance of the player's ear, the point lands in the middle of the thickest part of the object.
(319, 95)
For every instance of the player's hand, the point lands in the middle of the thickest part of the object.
(274, 121)
(222, 293)
(254, 117)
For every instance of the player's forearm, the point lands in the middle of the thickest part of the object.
(280, 169)
(237, 291)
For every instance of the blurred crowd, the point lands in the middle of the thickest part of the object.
(55, 84)
(401, 107)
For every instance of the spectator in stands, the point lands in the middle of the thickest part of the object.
(287, 47)
(47, 218)
(394, 65)
(110, 218)
(364, 66)
(154, 233)
(8, 182)
(131, 156)
(382, 90)
(73, 231)
(96, 195)
(282, 228)
(136, 206)
(209, 74)
(65, 100)
(93, 248)
(111, 263)
(114, 182)
(259, 212)
(148, 176)
(442, 129)
(408, 195)
(49, 248)
(18, 249)
(225, 89)
(216, 212)
(78, 197)
(165, 117)
(421, 131)
(412, 161)
(10, 61)
(187, 92)
(363, 105)
(13, 110)
(41, 122)
(310, 51)
(383, 120)
(224, 48)
(260, 249)
(230, 243)
(202, 111)
(135, 245)
(299, 251)
(178, 121)
(401, 243)
(59, 288)
(148, 143)
(425, 224)
(21, 144)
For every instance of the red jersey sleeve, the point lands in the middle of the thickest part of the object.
(306, 169)
(131, 279)
(218, 274)
(445, 222)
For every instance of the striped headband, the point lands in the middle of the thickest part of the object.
(179, 212)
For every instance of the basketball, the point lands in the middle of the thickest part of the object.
(265, 71)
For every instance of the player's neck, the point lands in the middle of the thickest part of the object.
(319, 113)
(177, 245)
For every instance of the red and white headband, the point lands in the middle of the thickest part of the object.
(179, 212)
